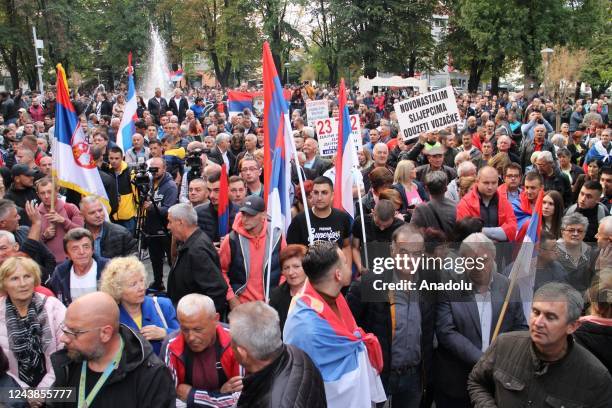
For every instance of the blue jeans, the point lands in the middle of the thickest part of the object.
(405, 389)
(130, 225)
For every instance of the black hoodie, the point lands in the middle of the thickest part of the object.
(141, 380)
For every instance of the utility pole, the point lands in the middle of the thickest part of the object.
(38, 44)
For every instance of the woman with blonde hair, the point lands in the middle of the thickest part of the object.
(30, 323)
(595, 331)
(154, 317)
(411, 191)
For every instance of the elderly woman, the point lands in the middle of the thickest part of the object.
(154, 317)
(576, 257)
(291, 267)
(595, 331)
(30, 323)
(411, 191)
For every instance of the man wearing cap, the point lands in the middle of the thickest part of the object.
(435, 157)
(21, 189)
(245, 254)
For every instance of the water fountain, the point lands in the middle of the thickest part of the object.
(157, 69)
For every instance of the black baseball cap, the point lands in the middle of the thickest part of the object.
(20, 170)
(253, 205)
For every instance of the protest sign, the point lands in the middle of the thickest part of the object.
(258, 104)
(425, 113)
(316, 110)
(327, 133)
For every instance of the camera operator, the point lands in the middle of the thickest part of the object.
(195, 161)
(162, 196)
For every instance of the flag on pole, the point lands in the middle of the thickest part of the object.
(524, 268)
(278, 146)
(223, 207)
(73, 164)
(128, 121)
(346, 158)
(239, 101)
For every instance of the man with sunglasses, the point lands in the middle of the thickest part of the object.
(107, 363)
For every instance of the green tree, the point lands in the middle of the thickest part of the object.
(223, 31)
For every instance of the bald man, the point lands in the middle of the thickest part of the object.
(100, 350)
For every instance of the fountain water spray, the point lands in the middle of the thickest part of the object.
(157, 73)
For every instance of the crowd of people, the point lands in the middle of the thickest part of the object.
(254, 317)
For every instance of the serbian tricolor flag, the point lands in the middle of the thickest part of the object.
(599, 152)
(346, 158)
(524, 268)
(523, 212)
(224, 204)
(349, 359)
(239, 101)
(128, 121)
(278, 145)
(72, 162)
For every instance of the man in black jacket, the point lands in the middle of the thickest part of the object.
(197, 268)
(553, 178)
(208, 218)
(110, 240)
(164, 194)
(179, 105)
(403, 321)
(280, 376)
(94, 339)
(157, 105)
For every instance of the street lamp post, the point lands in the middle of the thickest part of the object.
(97, 71)
(546, 54)
(38, 44)
(287, 71)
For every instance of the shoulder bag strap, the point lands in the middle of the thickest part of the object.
(160, 313)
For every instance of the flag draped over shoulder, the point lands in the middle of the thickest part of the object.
(524, 268)
(346, 158)
(73, 164)
(128, 121)
(223, 206)
(278, 145)
(599, 152)
(349, 359)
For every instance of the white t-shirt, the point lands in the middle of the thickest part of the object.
(82, 285)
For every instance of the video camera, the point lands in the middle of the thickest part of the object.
(193, 160)
(143, 175)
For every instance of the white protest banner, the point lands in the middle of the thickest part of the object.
(425, 113)
(316, 110)
(327, 132)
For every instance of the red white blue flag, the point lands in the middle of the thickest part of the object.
(238, 101)
(73, 164)
(278, 145)
(524, 268)
(128, 121)
(223, 207)
(346, 158)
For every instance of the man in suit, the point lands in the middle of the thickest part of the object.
(402, 320)
(179, 105)
(314, 166)
(157, 105)
(221, 153)
(465, 321)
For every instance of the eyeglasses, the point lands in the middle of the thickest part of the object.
(75, 333)
(573, 231)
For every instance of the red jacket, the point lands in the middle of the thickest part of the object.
(469, 206)
(173, 354)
